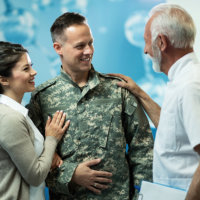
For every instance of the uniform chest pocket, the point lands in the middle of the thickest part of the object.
(99, 129)
(100, 117)
(166, 134)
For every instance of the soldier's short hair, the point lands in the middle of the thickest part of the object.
(64, 21)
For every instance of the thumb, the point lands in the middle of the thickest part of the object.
(122, 84)
(92, 162)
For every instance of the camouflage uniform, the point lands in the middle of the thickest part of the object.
(104, 118)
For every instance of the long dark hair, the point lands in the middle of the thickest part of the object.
(10, 54)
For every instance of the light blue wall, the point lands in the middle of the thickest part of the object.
(117, 27)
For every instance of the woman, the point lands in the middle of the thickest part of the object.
(25, 157)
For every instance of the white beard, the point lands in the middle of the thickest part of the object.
(156, 59)
(156, 65)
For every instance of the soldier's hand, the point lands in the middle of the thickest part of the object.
(91, 179)
(57, 161)
(129, 84)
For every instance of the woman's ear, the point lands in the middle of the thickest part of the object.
(4, 81)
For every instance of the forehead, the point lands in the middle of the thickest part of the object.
(22, 61)
(78, 33)
(147, 32)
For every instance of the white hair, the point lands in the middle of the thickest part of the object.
(174, 22)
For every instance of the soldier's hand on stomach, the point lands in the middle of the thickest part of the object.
(91, 179)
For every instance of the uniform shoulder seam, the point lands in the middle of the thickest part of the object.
(44, 86)
(109, 76)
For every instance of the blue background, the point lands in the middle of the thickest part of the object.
(117, 27)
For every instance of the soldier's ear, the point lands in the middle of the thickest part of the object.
(58, 47)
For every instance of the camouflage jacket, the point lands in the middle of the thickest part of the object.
(104, 118)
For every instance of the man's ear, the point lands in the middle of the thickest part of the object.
(58, 48)
(162, 42)
(4, 81)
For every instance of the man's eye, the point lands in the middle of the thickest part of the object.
(80, 46)
(90, 43)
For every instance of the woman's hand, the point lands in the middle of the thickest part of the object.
(57, 161)
(56, 127)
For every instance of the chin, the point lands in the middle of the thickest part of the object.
(87, 68)
(31, 89)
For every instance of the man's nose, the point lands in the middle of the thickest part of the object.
(88, 49)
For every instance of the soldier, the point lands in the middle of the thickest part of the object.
(104, 118)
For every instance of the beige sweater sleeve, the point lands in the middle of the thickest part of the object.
(15, 139)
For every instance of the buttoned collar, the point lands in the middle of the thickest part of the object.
(13, 104)
(180, 65)
(93, 79)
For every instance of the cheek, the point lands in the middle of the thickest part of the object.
(20, 78)
(150, 50)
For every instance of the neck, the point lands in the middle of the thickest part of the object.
(80, 78)
(171, 56)
(17, 98)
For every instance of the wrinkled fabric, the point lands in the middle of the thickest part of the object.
(175, 160)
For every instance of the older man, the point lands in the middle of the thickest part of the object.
(169, 37)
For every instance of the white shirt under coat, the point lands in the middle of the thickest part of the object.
(175, 160)
(35, 192)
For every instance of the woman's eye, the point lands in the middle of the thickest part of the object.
(28, 66)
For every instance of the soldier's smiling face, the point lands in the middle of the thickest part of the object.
(77, 50)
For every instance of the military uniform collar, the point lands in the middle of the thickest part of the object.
(93, 79)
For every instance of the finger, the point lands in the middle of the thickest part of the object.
(62, 119)
(57, 162)
(58, 119)
(103, 180)
(120, 76)
(123, 84)
(48, 121)
(53, 165)
(66, 126)
(102, 173)
(55, 116)
(92, 162)
(93, 189)
(60, 163)
(100, 186)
